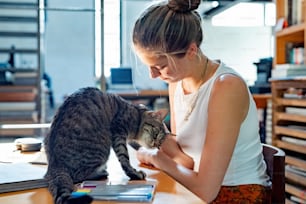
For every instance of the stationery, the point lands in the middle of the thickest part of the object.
(21, 176)
(130, 192)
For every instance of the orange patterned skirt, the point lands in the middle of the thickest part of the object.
(243, 194)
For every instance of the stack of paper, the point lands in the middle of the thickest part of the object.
(288, 70)
(21, 176)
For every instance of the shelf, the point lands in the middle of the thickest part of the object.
(293, 32)
(301, 180)
(23, 19)
(295, 191)
(22, 97)
(289, 117)
(288, 114)
(18, 34)
(18, 5)
(296, 161)
(29, 51)
(283, 130)
(290, 102)
(291, 146)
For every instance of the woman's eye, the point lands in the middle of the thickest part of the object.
(160, 67)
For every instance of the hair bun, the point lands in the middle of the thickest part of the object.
(183, 5)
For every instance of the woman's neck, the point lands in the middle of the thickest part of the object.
(197, 78)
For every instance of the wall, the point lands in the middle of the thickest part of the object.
(69, 47)
(69, 41)
(238, 47)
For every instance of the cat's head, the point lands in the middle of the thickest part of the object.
(152, 130)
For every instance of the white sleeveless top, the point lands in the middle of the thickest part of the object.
(247, 165)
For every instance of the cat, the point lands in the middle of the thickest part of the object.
(84, 129)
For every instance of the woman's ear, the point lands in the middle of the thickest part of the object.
(192, 50)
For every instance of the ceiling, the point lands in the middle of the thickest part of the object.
(209, 8)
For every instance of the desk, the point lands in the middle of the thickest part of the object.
(167, 190)
(261, 100)
(144, 94)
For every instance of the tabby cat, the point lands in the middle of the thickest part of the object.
(86, 126)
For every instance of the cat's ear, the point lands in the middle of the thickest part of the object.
(160, 114)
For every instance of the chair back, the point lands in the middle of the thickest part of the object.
(275, 160)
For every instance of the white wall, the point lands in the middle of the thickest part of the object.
(69, 41)
(69, 48)
(131, 9)
(238, 47)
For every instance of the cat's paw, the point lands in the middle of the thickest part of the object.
(139, 175)
(83, 199)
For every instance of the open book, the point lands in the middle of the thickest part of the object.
(21, 176)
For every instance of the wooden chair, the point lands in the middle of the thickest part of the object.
(275, 160)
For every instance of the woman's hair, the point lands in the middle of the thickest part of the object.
(169, 27)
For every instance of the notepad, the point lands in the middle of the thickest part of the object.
(118, 192)
(21, 176)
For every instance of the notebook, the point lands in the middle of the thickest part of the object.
(130, 192)
(21, 176)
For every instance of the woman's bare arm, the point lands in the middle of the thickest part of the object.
(227, 109)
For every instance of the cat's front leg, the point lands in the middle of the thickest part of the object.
(120, 148)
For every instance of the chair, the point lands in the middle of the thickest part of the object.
(275, 160)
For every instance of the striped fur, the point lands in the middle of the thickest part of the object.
(86, 126)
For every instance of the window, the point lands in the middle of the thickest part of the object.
(111, 36)
(247, 14)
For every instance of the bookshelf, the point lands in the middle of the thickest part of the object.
(292, 35)
(21, 57)
(289, 100)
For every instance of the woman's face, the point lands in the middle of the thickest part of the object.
(167, 69)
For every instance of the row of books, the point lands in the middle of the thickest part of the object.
(295, 11)
(18, 77)
(288, 71)
(296, 55)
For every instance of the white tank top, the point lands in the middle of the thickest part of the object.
(247, 165)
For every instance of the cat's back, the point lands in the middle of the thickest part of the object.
(88, 104)
(84, 113)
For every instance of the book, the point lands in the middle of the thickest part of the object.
(294, 140)
(297, 199)
(21, 176)
(288, 70)
(296, 170)
(17, 106)
(295, 110)
(130, 192)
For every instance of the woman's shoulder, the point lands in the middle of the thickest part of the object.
(227, 77)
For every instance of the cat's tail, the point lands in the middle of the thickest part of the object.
(60, 185)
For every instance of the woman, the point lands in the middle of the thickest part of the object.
(216, 152)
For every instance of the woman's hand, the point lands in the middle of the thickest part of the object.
(147, 156)
(169, 149)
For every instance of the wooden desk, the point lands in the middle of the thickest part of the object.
(167, 191)
(261, 100)
(144, 94)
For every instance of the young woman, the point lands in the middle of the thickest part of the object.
(216, 152)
